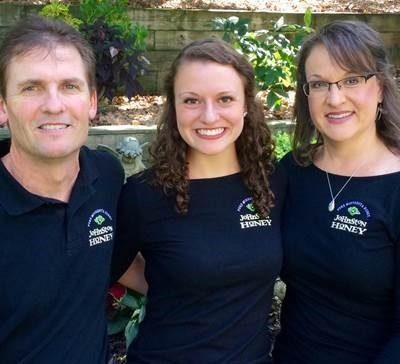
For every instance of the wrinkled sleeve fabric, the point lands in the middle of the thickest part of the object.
(127, 242)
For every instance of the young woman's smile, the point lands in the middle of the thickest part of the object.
(210, 115)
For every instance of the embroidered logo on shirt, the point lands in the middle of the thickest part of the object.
(100, 227)
(351, 217)
(248, 216)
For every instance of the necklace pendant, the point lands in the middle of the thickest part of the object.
(331, 205)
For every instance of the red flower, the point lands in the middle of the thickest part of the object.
(117, 291)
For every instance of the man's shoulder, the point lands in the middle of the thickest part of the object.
(102, 163)
(102, 159)
(101, 156)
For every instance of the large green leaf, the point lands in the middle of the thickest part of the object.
(131, 331)
(117, 324)
(308, 17)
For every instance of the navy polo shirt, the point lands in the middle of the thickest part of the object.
(54, 266)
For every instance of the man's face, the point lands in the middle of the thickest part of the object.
(48, 103)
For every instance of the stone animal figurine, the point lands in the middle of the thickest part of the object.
(130, 153)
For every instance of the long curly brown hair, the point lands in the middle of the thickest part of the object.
(254, 146)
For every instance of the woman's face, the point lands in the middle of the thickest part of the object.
(210, 107)
(342, 116)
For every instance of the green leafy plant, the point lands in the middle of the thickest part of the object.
(118, 43)
(115, 14)
(283, 143)
(125, 309)
(234, 28)
(272, 52)
(58, 10)
(118, 65)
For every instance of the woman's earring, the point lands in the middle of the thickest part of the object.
(379, 111)
(245, 114)
(3, 118)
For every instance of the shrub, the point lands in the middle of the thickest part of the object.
(125, 310)
(58, 10)
(283, 143)
(118, 43)
(115, 14)
(272, 52)
(117, 63)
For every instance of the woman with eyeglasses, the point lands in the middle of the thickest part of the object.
(341, 229)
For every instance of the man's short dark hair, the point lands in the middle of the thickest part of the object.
(35, 32)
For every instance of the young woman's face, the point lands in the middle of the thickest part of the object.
(210, 107)
(341, 115)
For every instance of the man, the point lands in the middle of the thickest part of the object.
(57, 200)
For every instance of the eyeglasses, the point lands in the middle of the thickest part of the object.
(321, 88)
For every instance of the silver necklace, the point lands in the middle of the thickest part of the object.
(331, 205)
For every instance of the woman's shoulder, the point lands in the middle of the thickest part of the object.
(285, 166)
(145, 176)
(287, 161)
(139, 183)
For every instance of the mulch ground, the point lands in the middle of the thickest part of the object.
(145, 110)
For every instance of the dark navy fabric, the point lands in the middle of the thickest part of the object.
(210, 272)
(341, 269)
(54, 266)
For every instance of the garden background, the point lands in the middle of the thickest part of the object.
(170, 24)
(136, 41)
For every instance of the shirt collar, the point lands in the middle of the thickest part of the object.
(16, 200)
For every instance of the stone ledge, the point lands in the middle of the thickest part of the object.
(111, 135)
(122, 129)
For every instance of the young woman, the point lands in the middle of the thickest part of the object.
(341, 227)
(205, 217)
